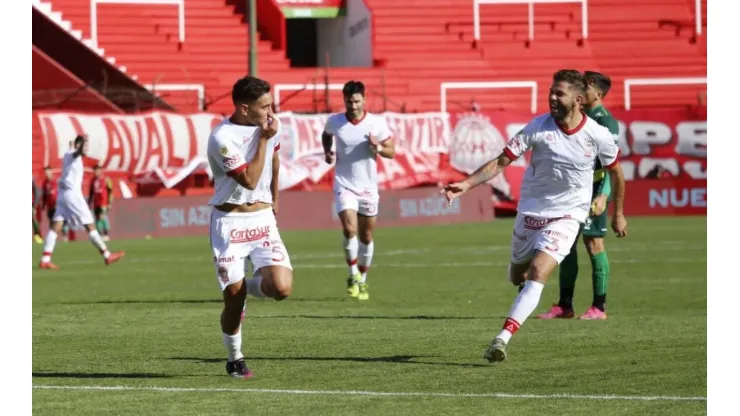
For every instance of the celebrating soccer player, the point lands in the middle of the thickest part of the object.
(243, 153)
(595, 228)
(555, 194)
(72, 207)
(361, 137)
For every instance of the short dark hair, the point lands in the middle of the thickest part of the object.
(79, 140)
(599, 81)
(573, 77)
(249, 89)
(353, 87)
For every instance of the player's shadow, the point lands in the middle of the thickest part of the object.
(189, 301)
(396, 359)
(413, 317)
(136, 301)
(97, 375)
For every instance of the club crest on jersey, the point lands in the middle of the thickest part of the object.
(590, 146)
(549, 137)
(224, 151)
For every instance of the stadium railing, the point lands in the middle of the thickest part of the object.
(94, 14)
(530, 19)
(198, 88)
(443, 87)
(277, 88)
(629, 82)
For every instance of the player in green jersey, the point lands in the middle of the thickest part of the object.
(594, 229)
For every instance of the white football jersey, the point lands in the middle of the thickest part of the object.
(72, 171)
(230, 148)
(559, 179)
(355, 166)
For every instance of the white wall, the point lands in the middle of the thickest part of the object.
(348, 39)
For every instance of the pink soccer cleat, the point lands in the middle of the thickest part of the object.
(557, 312)
(593, 314)
(48, 265)
(114, 257)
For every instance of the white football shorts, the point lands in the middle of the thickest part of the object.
(554, 236)
(237, 235)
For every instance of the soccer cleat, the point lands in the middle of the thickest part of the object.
(557, 312)
(48, 265)
(238, 369)
(353, 285)
(496, 352)
(363, 294)
(114, 257)
(593, 314)
(37, 238)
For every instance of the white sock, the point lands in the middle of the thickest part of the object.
(98, 242)
(51, 240)
(254, 286)
(365, 258)
(524, 304)
(233, 344)
(350, 254)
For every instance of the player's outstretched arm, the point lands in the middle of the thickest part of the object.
(327, 140)
(484, 174)
(274, 184)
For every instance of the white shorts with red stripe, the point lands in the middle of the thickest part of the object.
(366, 203)
(554, 236)
(236, 236)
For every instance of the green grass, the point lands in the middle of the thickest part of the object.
(438, 296)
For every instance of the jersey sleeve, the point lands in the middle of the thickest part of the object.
(608, 148)
(383, 132)
(226, 154)
(521, 142)
(329, 127)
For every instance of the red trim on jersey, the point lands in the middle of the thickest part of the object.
(576, 129)
(385, 140)
(510, 154)
(616, 160)
(237, 170)
(277, 147)
(358, 121)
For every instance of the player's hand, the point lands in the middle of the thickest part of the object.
(454, 190)
(619, 225)
(599, 205)
(269, 128)
(329, 156)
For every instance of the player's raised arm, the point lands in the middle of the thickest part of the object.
(609, 157)
(513, 150)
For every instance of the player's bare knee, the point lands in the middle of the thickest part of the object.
(594, 245)
(283, 285)
(539, 270)
(349, 231)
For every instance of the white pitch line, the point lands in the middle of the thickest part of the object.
(378, 393)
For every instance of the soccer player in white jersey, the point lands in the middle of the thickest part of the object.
(361, 137)
(243, 156)
(555, 195)
(72, 207)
